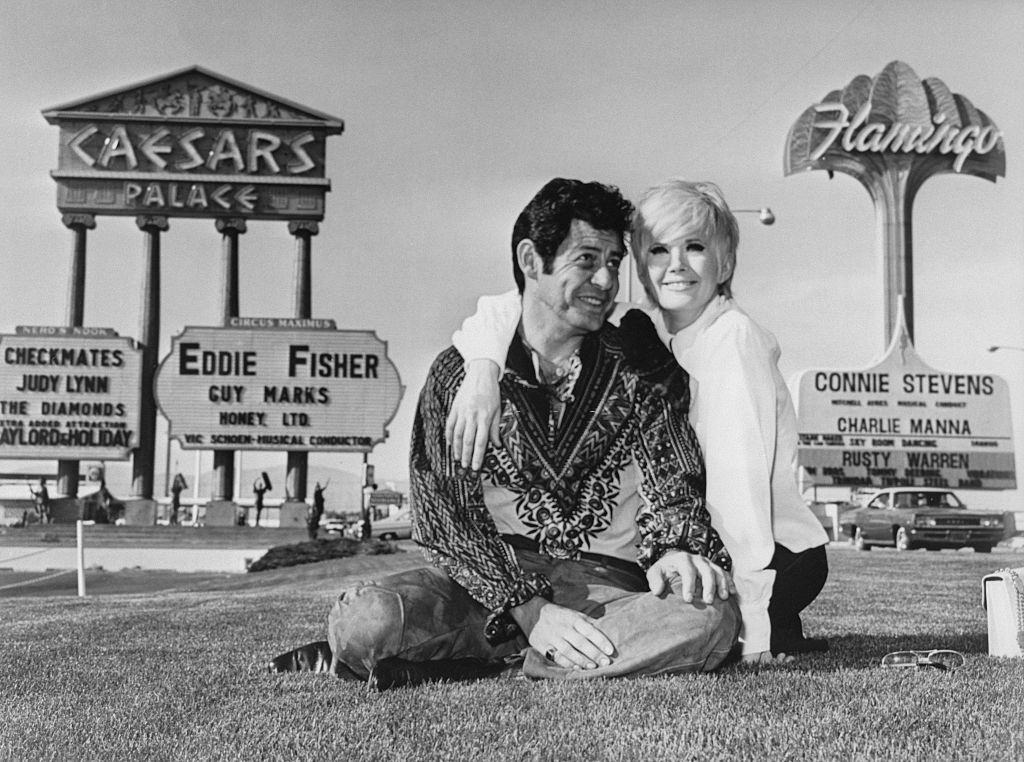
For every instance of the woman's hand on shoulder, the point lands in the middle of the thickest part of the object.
(475, 414)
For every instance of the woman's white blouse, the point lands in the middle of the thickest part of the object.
(745, 422)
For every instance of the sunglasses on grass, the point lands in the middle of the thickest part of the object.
(938, 658)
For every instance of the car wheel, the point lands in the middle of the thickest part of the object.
(388, 536)
(858, 540)
(982, 548)
(902, 540)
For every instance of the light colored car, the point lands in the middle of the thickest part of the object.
(335, 526)
(921, 517)
(396, 526)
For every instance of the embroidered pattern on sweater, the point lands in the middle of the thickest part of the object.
(575, 471)
(567, 480)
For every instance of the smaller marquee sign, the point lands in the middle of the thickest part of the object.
(903, 423)
(278, 384)
(69, 393)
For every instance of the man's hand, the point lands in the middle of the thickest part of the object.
(474, 417)
(691, 570)
(570, 637)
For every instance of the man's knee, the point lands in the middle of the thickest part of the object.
(418, 614)
(717, 625)
(730, 622)
(365, 625)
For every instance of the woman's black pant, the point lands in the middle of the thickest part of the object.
(799, 577)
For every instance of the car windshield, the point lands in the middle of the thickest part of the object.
(927, 500)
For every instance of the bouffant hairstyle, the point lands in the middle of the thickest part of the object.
(667, 210)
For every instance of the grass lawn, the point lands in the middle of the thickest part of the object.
(175, 674)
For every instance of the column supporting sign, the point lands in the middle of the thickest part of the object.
(278, 384)
(69, 393)
(902, 423)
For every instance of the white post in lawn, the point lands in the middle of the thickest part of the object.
(81, 560)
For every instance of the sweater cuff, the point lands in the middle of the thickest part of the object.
(707, 544)
(501, 625)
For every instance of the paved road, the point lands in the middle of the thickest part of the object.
(62, 557)
(113, 579)
(16, 558)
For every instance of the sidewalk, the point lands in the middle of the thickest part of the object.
(14, 558)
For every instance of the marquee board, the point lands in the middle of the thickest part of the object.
(903, 423)
(278, 384)
(69, 393)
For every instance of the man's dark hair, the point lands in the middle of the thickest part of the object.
(547, 218)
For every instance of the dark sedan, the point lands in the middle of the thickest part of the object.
(919, 517)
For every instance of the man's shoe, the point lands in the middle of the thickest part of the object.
(312, 657)
(395, 672)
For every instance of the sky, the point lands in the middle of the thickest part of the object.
(457, 112)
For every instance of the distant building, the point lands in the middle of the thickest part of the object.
(385, 501)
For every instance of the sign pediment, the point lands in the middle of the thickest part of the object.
(193, 94)
(192, 143)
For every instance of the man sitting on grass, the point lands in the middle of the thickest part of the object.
(584, 543)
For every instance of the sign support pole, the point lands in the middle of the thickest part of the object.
(893, 193)
(303, 230)
(143, 459)
(230, 229)
(80, 557)
(79, 224)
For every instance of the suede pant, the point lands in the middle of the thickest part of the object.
(799, 577)
(423, 615)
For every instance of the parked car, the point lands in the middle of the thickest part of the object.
(921, 517)
(335, 526)
(396, 526)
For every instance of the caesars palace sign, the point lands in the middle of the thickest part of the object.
(192, 144)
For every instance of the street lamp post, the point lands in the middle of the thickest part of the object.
(764, 214)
